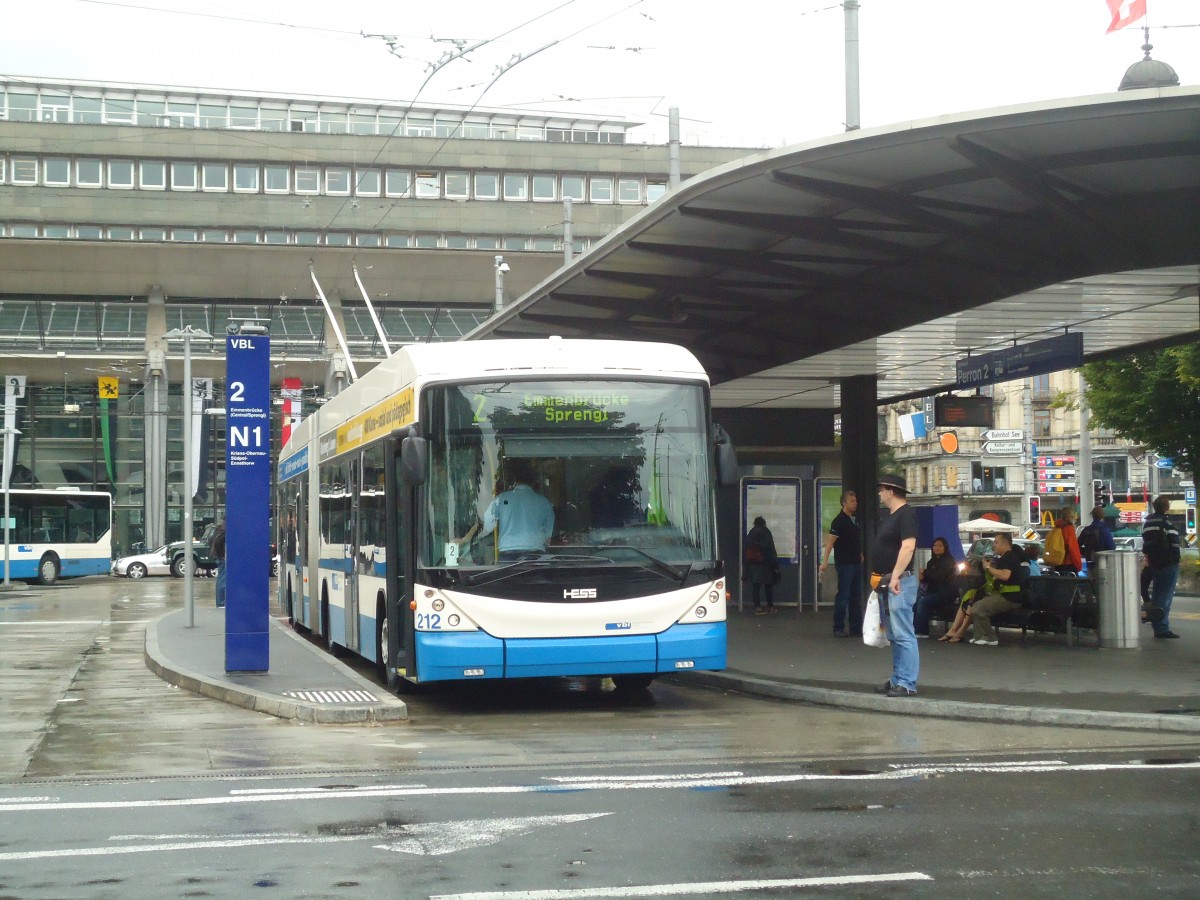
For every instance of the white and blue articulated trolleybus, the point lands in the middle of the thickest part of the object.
(382, 493)
(58, 533)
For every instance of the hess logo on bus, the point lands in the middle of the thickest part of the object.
(579, 594)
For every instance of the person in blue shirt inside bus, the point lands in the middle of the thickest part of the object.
(524, 517)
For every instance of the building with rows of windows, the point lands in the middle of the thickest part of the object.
(127, 211)
(1041, 455)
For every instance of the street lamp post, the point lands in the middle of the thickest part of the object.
(187, 334)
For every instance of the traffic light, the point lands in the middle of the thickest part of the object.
(1189, 520)
(1097, 492)
(1035, 510)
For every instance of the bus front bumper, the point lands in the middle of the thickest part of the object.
(450, 656)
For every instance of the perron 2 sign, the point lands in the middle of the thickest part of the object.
(247, 503)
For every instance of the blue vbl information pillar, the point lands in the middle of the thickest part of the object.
(247, 501)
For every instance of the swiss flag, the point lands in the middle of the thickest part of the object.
(1124, 12)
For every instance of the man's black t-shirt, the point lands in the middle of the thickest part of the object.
(1017, 564)
(847, 549)
(894, 530)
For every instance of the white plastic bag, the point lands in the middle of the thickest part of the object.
(873, 633)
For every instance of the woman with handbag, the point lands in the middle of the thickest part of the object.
(761, 565)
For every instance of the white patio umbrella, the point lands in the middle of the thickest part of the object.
(985, 525)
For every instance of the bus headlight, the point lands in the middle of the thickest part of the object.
(701, 612)
(713, 596)
(452, 620)
(438, 605)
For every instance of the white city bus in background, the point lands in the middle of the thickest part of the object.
(378, 488)
(60, 533)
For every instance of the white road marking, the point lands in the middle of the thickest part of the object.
(624, 778)
(223, 844)
(1017, 764)
(679, 890)
(308, 790)
(54, 623)
(430, 839)
(664, 782)
(47, 623)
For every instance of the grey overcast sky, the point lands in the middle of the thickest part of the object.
(750, 73)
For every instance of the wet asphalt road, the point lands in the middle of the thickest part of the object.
(113, 783)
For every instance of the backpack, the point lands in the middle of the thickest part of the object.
(1089, 541)
(754, 554)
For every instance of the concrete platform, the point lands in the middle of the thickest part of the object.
(793, 655)
(303, 681)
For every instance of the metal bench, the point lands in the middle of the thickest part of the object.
(1054, 604)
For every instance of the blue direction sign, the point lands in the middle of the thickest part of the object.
(247, 507)
(1164, 462)
(1051, 355)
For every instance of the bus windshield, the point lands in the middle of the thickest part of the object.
(623, 465)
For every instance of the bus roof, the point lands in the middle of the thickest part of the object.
(417, 364)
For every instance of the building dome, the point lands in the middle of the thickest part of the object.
(1148, 73)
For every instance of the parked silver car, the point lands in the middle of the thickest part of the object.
(139, 565)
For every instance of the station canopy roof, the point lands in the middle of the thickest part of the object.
(897, 250)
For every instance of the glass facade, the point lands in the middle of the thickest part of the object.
(147, 107)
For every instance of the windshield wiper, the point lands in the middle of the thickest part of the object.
(487, 576)
(662, 566)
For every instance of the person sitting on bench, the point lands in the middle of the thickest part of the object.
(1008, 573)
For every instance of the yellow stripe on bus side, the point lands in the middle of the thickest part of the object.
(394, 412)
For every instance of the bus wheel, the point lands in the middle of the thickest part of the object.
(48, 569)
(632, 683)
(326, 635)
(381, 644)
(326, 640)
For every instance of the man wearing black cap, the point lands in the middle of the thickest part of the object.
(896, 583)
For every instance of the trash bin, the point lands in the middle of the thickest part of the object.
(1119, 598)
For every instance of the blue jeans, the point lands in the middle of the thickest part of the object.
(927, 602)
(1162, 592)
(221, 584)
(898, 624)
(849, 598)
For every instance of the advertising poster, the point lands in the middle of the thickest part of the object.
(777, 501)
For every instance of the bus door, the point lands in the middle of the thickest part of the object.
(292, 552)
(400, 651)
(350, 595)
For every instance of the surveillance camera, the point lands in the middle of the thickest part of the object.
(503, 267)
(233, 328)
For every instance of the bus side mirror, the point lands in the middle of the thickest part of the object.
(727, 473)
(414, 456)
